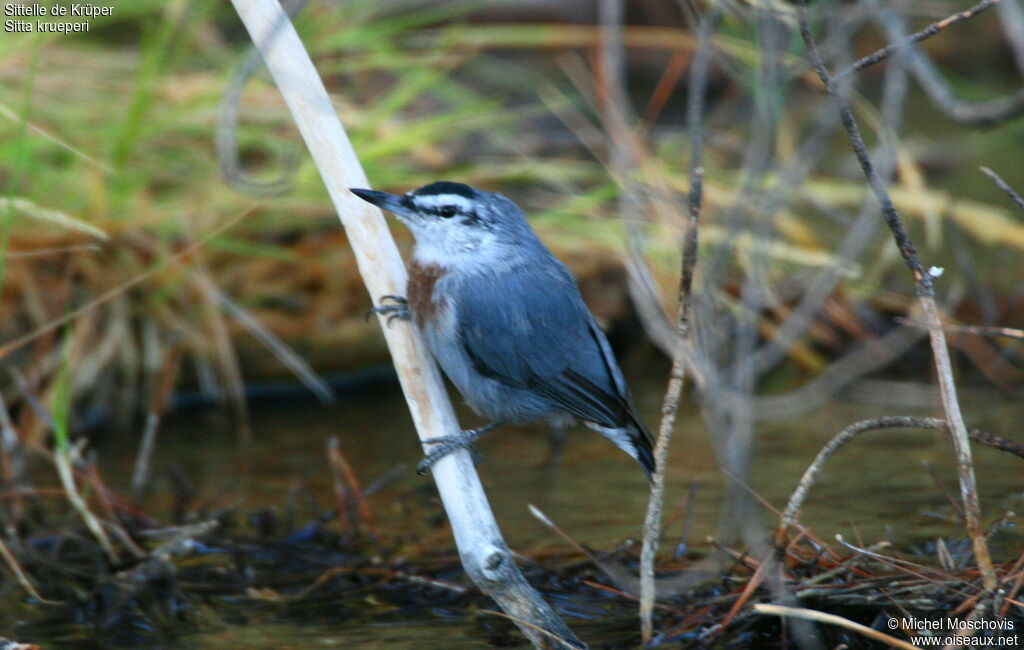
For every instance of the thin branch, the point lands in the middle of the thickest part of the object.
(832, 619)
(343, 470)
(286, 355)
(224, 349)
(64, 458)
(161, 395)
(929, 31)
(974, 113)
(1004, 186)
(926, 296)
(980, 330)
(19, 573)
(699, 71)
(525, 623)
(627, 583)
(689, 507)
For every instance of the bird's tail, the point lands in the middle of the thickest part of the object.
(644, 451)
(635, 440)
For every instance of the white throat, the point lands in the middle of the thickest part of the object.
(481, 251)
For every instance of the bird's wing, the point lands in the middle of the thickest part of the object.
(530, 329)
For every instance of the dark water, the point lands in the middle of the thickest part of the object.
(598, 494)
(878, 487)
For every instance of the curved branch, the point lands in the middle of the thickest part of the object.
(796, 501)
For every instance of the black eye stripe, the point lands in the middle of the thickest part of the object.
(443, 211)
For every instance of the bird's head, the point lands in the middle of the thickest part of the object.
(450, 220)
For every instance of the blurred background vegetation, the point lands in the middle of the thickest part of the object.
(111, 175)
(137, 263)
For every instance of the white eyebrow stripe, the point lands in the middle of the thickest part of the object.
(434, 201)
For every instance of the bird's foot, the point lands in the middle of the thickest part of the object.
(447, 444)
(393, 306)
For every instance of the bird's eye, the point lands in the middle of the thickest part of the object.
(447, 211)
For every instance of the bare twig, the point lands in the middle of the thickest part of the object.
(926, 296)
(929, 31)
(19, 573)
(161, 394)
(652, 523)
(832, 619)
(933, 575)
(623, 577)
(1004, 186)
(56, 250)
(325, 577)
(540, 631)
(771, 563)
(355, 491)
(64, 457)
(980, 330)
(224, 350)
(287, 356)
(484, 554)
(1012, 594)
(974, 113)
(90, 472)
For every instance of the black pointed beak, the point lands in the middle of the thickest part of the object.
(382, 200)
(395, 204)
(372, 196)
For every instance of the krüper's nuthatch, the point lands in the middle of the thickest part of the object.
(505, 320)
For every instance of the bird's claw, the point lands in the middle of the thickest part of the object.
(398, 308)
(446, 445)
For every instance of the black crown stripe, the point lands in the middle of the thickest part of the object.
(446, 187)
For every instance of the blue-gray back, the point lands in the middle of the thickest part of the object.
(527, 326)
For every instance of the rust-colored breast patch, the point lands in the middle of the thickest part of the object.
(420, 290)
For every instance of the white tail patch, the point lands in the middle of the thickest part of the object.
(622, 438)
